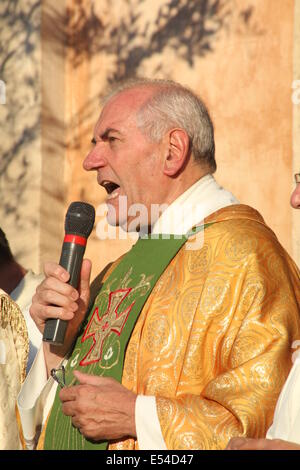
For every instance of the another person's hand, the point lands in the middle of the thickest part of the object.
(100, 407)
(55, 298)
(245, 443)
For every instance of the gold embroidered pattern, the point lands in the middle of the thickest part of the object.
(14, 348)
(213, 340)
(11, 316)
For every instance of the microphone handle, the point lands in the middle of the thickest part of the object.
(70, 259)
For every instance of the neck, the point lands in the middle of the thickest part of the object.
(10, 276)
(185, 181)
(177, 187)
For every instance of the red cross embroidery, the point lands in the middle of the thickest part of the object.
(100, 328)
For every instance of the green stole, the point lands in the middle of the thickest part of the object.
(101, 344)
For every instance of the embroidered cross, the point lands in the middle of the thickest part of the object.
(99, 329)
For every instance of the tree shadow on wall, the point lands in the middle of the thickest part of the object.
(188, 27)
(20, 25)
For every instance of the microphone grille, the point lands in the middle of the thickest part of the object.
(80, 219)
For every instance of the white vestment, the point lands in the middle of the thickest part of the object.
(286, 422)
(22, 295)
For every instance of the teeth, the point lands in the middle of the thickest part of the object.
(114, 194)
(109, 186)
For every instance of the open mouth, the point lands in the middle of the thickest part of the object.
(111, 188)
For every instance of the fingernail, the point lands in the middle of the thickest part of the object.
(74, 295)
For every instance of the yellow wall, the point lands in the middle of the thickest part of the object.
(239, 58)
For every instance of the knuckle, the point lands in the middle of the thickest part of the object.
(32, 310)
(80, 409)
(81, 391)
(49, 267)
(47, 311)
(39, 289)
(70, 290)
(49, 296)
(63, 312)
(50, 283)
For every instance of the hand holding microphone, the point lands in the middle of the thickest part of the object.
(57, 298)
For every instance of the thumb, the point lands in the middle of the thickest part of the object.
(84, 282)
(87, 379)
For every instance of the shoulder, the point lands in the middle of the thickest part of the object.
(236, 238)
(241, 229)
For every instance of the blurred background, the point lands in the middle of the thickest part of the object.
(56, 60)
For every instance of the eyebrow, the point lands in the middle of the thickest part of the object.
(105, 134)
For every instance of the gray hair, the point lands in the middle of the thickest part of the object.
(174, 105)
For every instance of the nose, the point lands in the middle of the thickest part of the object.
(295, 197)
(95, 158)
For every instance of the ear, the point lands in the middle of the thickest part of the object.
(178, 151)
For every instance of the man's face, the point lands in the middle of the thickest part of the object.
(127, 162)
(295, 197)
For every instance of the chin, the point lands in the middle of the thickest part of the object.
(116, 220)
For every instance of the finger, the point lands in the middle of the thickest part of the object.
(54, 298)
(88, 379)
(53, 284)
(243, 443)
(76, 421)
(84, 281)
(235, 443)
(68, 394)
(253, 444)
(68, 408)
(55, 270)
(259, 444)
(77, 392)
(40, 313)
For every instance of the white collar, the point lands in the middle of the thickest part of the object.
(205, 197)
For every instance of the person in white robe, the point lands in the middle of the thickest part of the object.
(284, 434)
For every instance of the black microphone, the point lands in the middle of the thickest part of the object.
(79, 223)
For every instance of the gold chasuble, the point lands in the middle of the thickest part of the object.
(213, 341)
(14, 346)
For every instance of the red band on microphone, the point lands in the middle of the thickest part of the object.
(69, 238)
